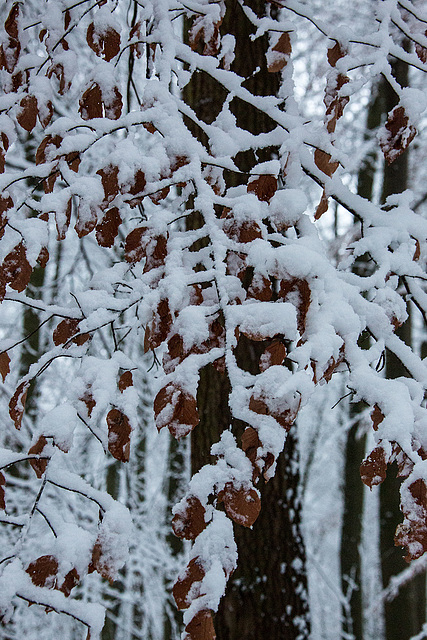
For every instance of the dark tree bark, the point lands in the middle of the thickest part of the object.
(405, 614)
(266, 597)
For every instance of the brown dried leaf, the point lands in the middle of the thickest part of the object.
(158, 329)
(43, 571)
(89, 401)
(16, 270)
(335, 53)
(260, 288)
(126, 381)
(417, 251)
(412, 533)
(136, 188)
(114, 105)
(39, 466)
(91, 103)
(63, 220)
(46, 149)
(273, 355)
(189, 522)
(65, 330)
(118, 435)
(2, 492)
(17, 404)
(182, 415)
(323, 161)
(11, 23)
(110, 182)
(241, 505)
(201, 627)
(87, 219)
(100, 562)
(193, 573)
(399, 134)
(287, 290)
(4, 364)
(373, 469)
(377, 417)
(105, 43)
(27, 115)
(264, 187)
(421, 51)
(283, 47)
(71, 580)
(135, 245)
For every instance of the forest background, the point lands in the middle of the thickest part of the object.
(213, 220)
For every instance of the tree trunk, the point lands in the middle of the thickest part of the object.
(351, 534)
(405, 614)
(266, 596)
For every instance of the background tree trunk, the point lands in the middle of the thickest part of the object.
(266, 597)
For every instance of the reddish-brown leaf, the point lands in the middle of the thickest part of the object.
(241, 505)
(43, 257)
(412, 533)
(11, 23)
(399, 134)
(158, 329)
(110, 182)
(105, 43)
(113, 104)
(201, 627)
(47, 148)
(2, 491)
(273, 355)
(16, 270)
(421, 51)
(283, 50)
(118, 435)
(17, 404)
(108, 229)
(181, 589)
(43, 571)
(377, 417)
(190, 521)
(71, 580)
(87, 219)
(264, 187)
(260, 288)
(287, 290)
(65, 330)
(156, 253)
(100, 562)
(89, 401)
(136, 188)
(90, 105)
(182, 416)
(135, 245)
(324, 162)
(373, 469)
(126, 381)
(39, 466)
(28, 112)
(4, 364)
(335, 53)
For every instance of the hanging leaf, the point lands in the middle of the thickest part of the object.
(16, 270)
(91, 103)
(39, 466)
(412, 533)
(71, 580)
(189, 521)
(2, 492)
(241, 505)
(47, 148)
(273, 355)
(264, 187)
(186, 583)
(28, 112)
(278, 55)
(398, 134)
(17, 404)
(4, 364)
(201, 627)
(175, 409)
(126, 381)
(158, 329)
(373, 469)
(119, 431)
(66, 329)
(104, 42)
(43, 571)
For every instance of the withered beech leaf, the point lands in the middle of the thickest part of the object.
(335, 53)
(2, 491)
(398, 136)
(264, 187)
(373, 469)
(90, 104)
(108, 229)
(63, 219)
(109, 178)
(65, 330)
(43, 571)
(113, 104)
(126, 380)
(201, 627)
(287, 290)
(17, 403)
(324, 163)
(45, 113)
(193, 573)
(89, 401)
(39, 466)
(241, 504)
(71, 580)
(158, 329)
(377, 417)
(135, 244)
(28, 112)
(119, 431)
(100, 562)
(282, 50)
(105, 43)
(189, 521)
(47, 147)
(87, 219)
(16, 270)
(260, 288)
(273, 355)
(412, 533)
(4, 364)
